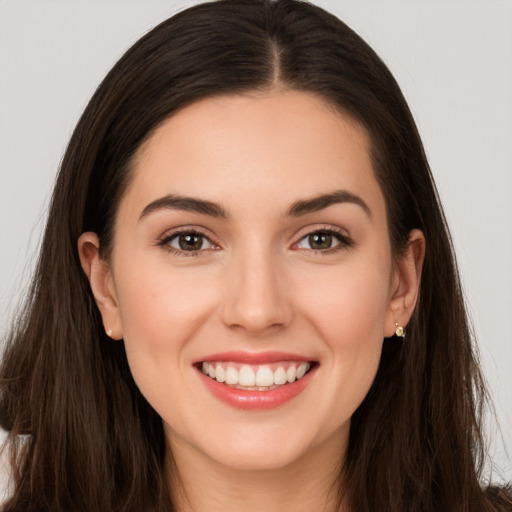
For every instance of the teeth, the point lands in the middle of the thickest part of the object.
(220, 374)
(259, 376)
(246, 376)
(264, 377)
(231, 376)
(280, 376)
(301, 370)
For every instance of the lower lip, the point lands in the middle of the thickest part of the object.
(251, 400)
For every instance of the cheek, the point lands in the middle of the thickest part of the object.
(160, 311)
(348, 305)
(348, 311)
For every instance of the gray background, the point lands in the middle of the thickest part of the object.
(453, 60)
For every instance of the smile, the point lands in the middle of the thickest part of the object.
(256, 381)
(256, 377)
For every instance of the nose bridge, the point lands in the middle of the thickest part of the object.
(256, 298)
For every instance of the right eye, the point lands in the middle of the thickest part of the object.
(190, 242)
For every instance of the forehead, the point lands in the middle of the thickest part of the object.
(239, 150)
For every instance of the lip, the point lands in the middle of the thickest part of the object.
(254, 400)
(252, 357)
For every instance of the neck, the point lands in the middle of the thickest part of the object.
(200, 484)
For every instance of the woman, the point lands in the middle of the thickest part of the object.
(243, 230)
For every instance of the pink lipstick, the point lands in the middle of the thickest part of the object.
(255, 381)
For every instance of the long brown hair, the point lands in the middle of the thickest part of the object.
(82, 437)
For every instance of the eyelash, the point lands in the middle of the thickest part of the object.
(165, 241)
(345, 242)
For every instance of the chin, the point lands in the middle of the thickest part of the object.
(255, 461)
(260, 451)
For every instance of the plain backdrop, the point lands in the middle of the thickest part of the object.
(453, 60)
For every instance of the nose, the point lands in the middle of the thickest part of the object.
(257, 298)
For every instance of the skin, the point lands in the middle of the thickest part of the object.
(257, 284)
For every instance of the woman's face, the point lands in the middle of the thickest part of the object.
(252, 244)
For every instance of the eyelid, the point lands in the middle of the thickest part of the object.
(165, 239)
(178, 235)
(344, 239)
(315, 228)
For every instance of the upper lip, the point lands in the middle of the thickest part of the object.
(252, 357)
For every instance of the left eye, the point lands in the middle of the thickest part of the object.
(320, 241)
(189, 242)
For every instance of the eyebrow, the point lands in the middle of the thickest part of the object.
(318, 203)
(297, 209)
(187, 204)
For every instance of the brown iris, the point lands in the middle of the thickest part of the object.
(320, 241)
(190, 242)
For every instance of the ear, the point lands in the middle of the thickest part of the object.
(101, 281)
(405, 283)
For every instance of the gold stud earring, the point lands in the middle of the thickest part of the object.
(108, 332)
(400, 332)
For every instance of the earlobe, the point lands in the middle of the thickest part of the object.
(101, 281)
(405, 290)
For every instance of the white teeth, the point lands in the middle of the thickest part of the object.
(246, 376)
(260, 376)
(231, 376)
(220, 374)
(280, 376)
(264, 377)
(291, 373)
(301, 370)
